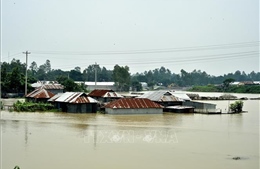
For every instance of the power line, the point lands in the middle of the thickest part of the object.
(16, 54)
(194, 59)
(150, 51)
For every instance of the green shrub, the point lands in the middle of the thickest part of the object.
(236, 107)
(32, 107)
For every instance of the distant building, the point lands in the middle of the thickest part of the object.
(100, 85)
(74, 102)
(144, 86)
(133, 106)
(51, 86)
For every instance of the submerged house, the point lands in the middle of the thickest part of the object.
(133, 106)
(171, 101)
(39, 95)
(74, 102)
(105, 95)
(200, 107)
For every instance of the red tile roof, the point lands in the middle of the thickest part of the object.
(133, 103)
(40, 94)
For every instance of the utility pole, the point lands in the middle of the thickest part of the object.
(26, 54)
(95, 74)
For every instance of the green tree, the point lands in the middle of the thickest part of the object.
(70, 85)
(226, 83)
(16, 81)
(237, 107)
(122, 77)
(135, 84)
(4, 80)
(76, 74)
(33, 68)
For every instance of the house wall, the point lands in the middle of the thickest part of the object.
(166, 104)
(81, 108)
(133, 111)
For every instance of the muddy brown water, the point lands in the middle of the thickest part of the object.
(61, 140)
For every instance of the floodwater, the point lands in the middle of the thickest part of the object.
(168, 141)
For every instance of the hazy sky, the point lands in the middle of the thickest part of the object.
(216, 36)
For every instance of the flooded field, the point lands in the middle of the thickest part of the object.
(60, 140)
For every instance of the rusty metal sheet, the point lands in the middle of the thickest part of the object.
(133, 103)
(40, 94)
(99, 92)
(52, 86)
(104, 93)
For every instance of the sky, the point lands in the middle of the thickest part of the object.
(216, 36)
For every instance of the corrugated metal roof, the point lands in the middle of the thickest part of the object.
(132, 103)
(48, 85)
(99, 92)
(53, 86)
(40, 94)
(55, 97)
(160, 96)
(181, 96)
(73, 97)
(113, 95)
(104, 93)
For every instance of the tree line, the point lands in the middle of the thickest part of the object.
(13, 75)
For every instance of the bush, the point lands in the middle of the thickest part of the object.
(236, 107)
(32, 107)
(1, 105)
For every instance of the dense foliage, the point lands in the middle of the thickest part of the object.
(32, 107)
(13, 77)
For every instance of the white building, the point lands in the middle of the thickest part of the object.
(99, 85)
